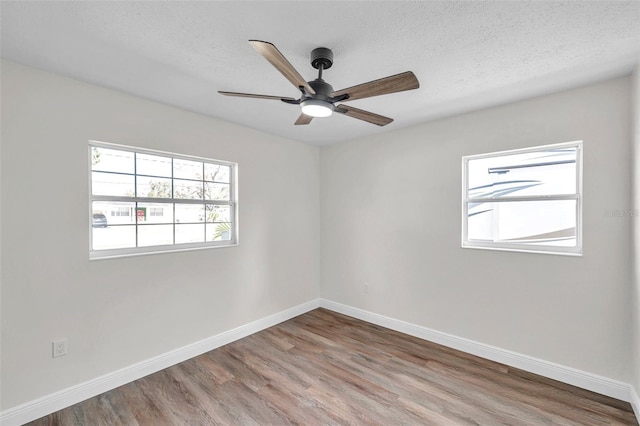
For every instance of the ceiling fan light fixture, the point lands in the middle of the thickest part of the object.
(316, 108)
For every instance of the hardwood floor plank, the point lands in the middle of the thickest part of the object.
(144, 409)
(324, 368)
(230, 360)
(205, 389)
(206, 366)
(269, 363)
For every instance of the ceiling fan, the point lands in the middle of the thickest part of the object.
(318, 99)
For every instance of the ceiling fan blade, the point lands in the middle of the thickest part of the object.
(363, 115)
(303, 119)
(277, 59)
(251, 95)
(392, 84)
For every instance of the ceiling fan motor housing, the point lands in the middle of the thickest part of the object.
(323, 90)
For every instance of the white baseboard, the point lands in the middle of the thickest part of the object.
(56, 401)
(582, 379)
(635, 402)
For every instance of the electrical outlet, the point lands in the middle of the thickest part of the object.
(59, 347)
(365, 287)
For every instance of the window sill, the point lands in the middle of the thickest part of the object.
(574, 252)
(120, 253)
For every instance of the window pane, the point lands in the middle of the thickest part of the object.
(155, 213)
(216, 172)
(112, 184)
(218, 213)
(153, 187)
(549, 172)
(111, 160)
(189, 233)
(186, 189)
(524, 222)
(114, 237)
(155, 235)
(186, 213)
(218, 231)
(153, 165)
(186, 169)
(216, 191)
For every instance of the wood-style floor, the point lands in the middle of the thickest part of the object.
(323, 368)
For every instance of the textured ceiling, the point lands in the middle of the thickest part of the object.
(467, 55)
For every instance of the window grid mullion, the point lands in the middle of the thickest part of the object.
(528, 198)
(119, 199)
(174, 222)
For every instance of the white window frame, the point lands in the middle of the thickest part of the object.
(137, 251)
(519, 247)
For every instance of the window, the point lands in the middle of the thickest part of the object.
(156, 201)
(524, 200)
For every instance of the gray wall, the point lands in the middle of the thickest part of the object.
(391, 218)
(122, 311)
(387, 207)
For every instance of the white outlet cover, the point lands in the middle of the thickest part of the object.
(59, 347)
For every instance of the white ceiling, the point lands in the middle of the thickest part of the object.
(466, 55)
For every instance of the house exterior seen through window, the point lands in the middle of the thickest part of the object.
(145, 201)
(524, 200)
